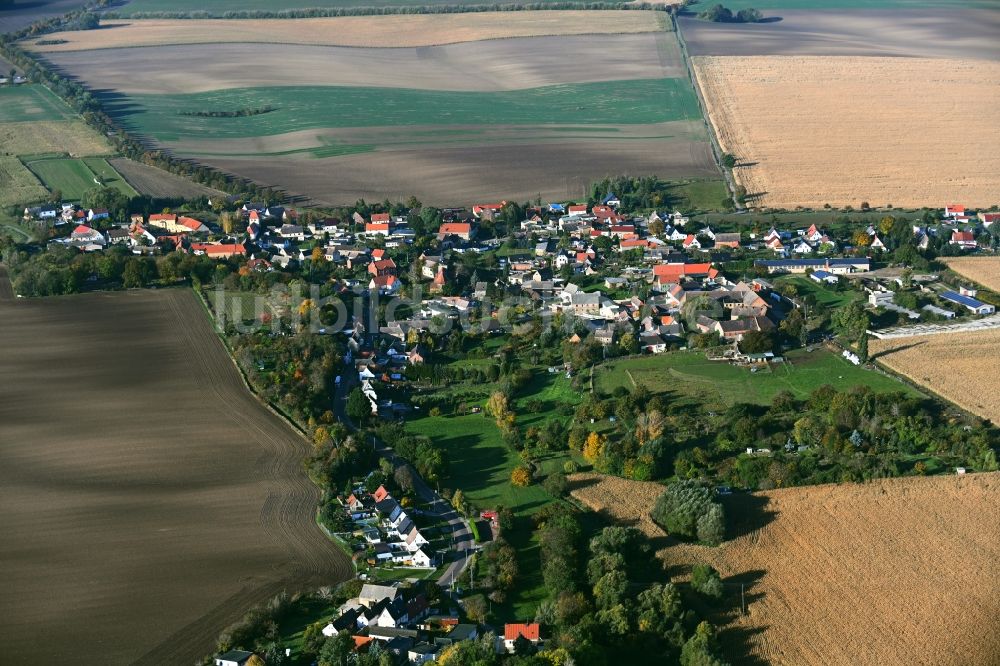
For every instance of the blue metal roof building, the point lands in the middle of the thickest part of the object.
(969, 302)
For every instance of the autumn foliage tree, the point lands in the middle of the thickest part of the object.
(521, 476)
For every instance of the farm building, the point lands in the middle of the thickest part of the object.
(973, 305)
(824, 276)
(833, 266)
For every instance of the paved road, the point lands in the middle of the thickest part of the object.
(464, 543)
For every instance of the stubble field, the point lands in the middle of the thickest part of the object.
(961, 367)
(846, 130)
(893, 572)
(146, 498)
(514, 118)
(981, 270)
(410, 30)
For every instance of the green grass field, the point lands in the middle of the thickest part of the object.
(480, 464)
(300, 108)
(825, 295)
(30, 102)
(702, 195)
(75, 177)
(689, 375)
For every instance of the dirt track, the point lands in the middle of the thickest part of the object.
(146, 498)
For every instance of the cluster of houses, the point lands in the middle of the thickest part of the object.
(402, 621)
(388, 531)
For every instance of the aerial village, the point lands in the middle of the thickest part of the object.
(631, 283)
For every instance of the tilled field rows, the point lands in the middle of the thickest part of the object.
(160, 501)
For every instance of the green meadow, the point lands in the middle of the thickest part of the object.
(689, 375)
(29, 103)
(75, 177)
(630, 102)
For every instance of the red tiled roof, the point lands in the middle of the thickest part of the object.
(380, 217)
(673, 272)
(512, 631)
(83, 229)
(377, 226)
(455, 228)
(162, 217)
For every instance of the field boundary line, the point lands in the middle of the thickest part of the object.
(229, 352)
(713, 140)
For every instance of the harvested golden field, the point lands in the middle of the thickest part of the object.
(897, 571)
(962, 366)
(981, 270)
(367, 31)
(52, 136)
(843, 130)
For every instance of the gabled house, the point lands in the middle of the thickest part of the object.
(963, 239)
(691, 242)
(461, 230)
(233, 658)
(727, 240)
(97, 214)
(511, 632)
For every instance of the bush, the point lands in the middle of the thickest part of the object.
(705, 580)
(556, 484)
(688, 509)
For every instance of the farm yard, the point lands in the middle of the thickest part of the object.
(448, 123)
(958, 366)
(981, 270)
(717, 384)
(820, 146)
(896, 571)
(142, 481)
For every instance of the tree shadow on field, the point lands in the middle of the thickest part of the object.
(738, 645)
(745, 514)
(887, 352)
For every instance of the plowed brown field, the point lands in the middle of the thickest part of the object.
(146, 498)
(981, 270)
(845, 130)
(960, 366)
(897, 571)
